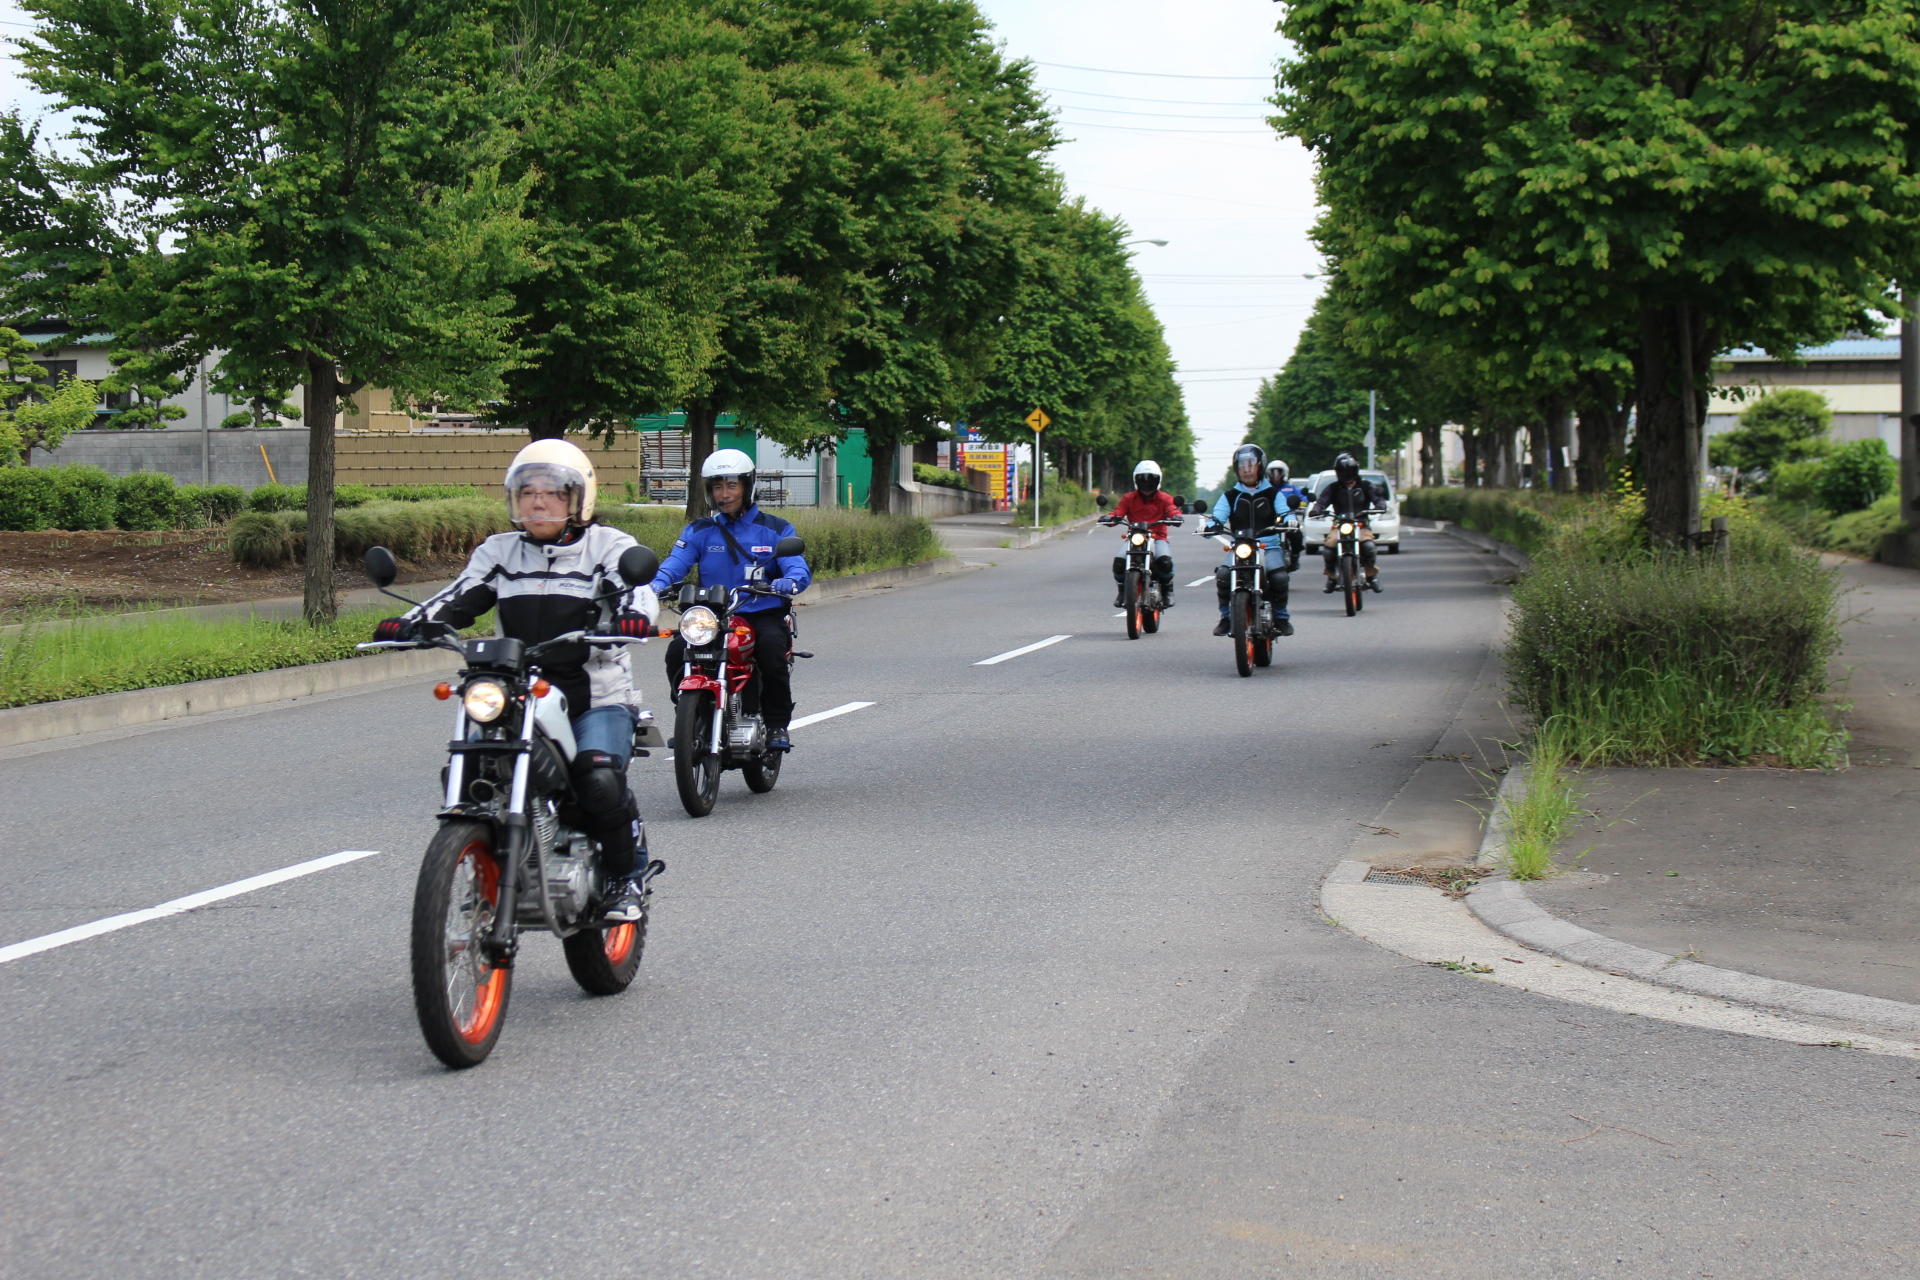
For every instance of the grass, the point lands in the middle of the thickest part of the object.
(1549, 800)
(48, 664)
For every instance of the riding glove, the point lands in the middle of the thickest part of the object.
(396, 629)
(629, 623)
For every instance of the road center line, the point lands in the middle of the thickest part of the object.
(828, 714)
(1200, 582)
(1014, 653)
(80, 933)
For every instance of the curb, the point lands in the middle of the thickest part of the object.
(1503, 905)
(1511, 554)
(1024, 538)
(40, 722)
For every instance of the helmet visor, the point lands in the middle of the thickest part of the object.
(543, 492)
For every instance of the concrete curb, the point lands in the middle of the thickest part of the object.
(1024, 538)
(1503, 905)
(42, 721)
(1511, 554)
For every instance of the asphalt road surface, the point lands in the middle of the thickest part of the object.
(1017, 974)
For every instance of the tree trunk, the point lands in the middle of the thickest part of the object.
(1470, 469)
(1603, 440)
(547, 426)
(1430, 457)
(701, 417)
(885, 462)
(1674, 349)
(1540, 451)
(322, 409)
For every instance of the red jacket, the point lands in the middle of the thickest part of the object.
(1136, 508)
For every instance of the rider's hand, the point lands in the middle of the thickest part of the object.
(629, 623)
(785, 587)
(396, 629)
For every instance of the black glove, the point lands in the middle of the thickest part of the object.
(396, 629)
(629, 623)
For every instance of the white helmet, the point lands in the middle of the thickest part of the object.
(553, 466)
(1277, 472)
(1146, 476)
(729, 462)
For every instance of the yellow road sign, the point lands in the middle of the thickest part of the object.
(1038, 419)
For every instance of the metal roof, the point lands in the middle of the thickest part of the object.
(1844, 349)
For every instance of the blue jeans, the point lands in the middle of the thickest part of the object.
(1276, 558)
(608, 729)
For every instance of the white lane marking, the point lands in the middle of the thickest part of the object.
(829, 714)
(1200, 582)
(1014, 653)
(80, 933)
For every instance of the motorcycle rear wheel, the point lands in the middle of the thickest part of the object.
(1135, 589)
(762, 771)
(459, 994)
(1241, 612)
(696, 768)
(605, 961)
(1263, 652)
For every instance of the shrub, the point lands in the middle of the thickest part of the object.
(1796, 482)
(84, 497)
(428, 492)
(1860, 532)
(1856, 475)
(924, 474)
(1063, 500)
(261, 539)
(147, 500)
(346, 496)
(217, 503)
(278, 497)
(27, 501)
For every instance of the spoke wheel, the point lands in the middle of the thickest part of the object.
(1133, 593)
(1241, 613)
(763, 771)
(604, 961)
(696, 769)
(459, 994)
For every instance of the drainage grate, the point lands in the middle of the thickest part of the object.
(1394, 877)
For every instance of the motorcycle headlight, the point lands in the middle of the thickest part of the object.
(1138, 539)
(1243, 550)
(484, 701)
(1346, 527)
(699, 626)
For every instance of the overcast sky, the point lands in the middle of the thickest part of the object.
(1162, 105)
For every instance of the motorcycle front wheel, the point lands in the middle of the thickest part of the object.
(1350, 584)
(604, 961)
(1136, 588)
(696, 768)
(1241, 614)
(459, 994)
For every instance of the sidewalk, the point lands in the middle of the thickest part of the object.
(1779, 887)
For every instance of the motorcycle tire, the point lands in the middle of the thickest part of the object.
(1135, 589)
(459, 994)
(696, 768)
(604, 961)
(1350, 584)
(1263, 652)
(1150, 620)
(762, 771)
(1241, 613)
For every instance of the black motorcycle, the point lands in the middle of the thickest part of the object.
(716, 723)
(506, 858)
(1250, 619)
(1141, 594)
(1347, 572)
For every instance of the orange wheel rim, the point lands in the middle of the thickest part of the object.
(618, 942)
(489, 990)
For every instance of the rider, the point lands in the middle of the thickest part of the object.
(1146, 502)
(1348, 497)
(734, 546)
(543, 579)
(1253, 503)
(1277, 474)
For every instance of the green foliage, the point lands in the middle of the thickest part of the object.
(924, 474)
(215, 503)
(427, 492)
(1063, 500)
(1796, 482)
(1785, 427)
(1498, 513)
(84, 497)
(443, 529)
(262, 540)
(351, 495)
(1856, 475)
(28, 502)
(33, 413)
(277, 497)
(838, 542)
(147, 500)
(1859, 532)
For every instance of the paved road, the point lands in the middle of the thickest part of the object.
(1017, 974)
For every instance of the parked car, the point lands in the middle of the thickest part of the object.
(1386, 528)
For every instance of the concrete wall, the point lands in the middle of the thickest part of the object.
(189, 455)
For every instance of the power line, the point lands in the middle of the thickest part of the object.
(1147, 128)
(1164, 115)
(1158, 75)
(1171, 102)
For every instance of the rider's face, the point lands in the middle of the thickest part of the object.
(728, 493)
(1249, 473)
(543, 512)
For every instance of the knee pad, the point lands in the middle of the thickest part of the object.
(1220, 580)
(601, 786)
(1163, 567)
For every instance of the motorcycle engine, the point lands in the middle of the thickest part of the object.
(744, 737)
(570, 875)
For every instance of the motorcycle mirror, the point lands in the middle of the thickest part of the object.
(638, 564)
(791, 545)
(381, 568)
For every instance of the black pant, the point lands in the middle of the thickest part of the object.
(772, 662)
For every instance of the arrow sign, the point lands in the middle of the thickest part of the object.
(1038, 419)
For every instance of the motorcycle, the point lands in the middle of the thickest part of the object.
(712, 729)
(1141, 593)
(1250, 618)
(506, 859)
(1347, 572)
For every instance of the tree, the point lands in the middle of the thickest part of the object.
(1316, 406)
(1785, 426)
(34, 414)
(1700, 175)
(312, 192)
(1857, 475)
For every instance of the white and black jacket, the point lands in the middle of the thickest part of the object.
(543, 589)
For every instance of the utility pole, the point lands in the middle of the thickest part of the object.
(1909, 430)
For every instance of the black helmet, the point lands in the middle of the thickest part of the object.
(1345, 468)
(1250, 453)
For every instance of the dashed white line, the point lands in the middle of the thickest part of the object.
(828, 714)
(80, 933)
(1200, 582)
(1014, 653)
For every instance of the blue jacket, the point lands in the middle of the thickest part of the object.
(703, 545)
(1253, 507)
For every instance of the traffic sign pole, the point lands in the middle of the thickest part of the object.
(1038, 420)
